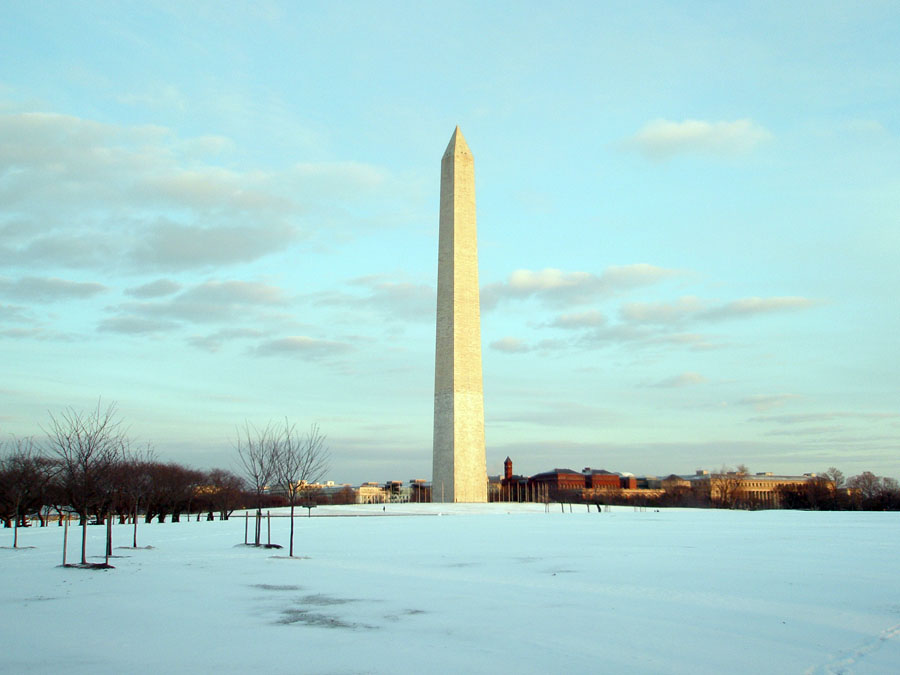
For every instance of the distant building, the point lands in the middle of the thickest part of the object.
(588, 483)
(371, 493)
(729, 489)
(393, 492)
(733, 489)
(673, 483)
(396, 492)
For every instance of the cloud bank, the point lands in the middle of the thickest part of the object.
(81, 194)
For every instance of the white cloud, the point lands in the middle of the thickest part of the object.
(559, 288)
(166, 96)
(510, 345)
(642, 324)
(761, 402)
(661, 312)
(683, 380)
(85, 249)
(49, 289)
(215, 341)
(135, 325)
(392, 299)
(302, 346)
(215, 188)
(690, 308)
(804, 418)
(211, 302)
(552, 413)
(91, 195)
(340, 179)
(12, 313)
(155, 289)
(752, 306)
(589, 319)
(867, 127)
(23, 333)
(662, 139)
(176, 247)
(514, 345)
(624, 277)
(694, 341)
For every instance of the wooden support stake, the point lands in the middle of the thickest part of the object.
(65, 538)
(108, 537)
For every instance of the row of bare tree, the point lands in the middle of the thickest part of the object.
(86, 466)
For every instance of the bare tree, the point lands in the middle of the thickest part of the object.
(836, 476)
(135, 483)
(866, 486)
(257, 453)
(24, 475)
(874, 493)
(88, 446)
(300, 461)
(726, 487)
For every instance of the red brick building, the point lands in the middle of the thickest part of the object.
(562, 482)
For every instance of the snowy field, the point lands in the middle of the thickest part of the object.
(466, 589)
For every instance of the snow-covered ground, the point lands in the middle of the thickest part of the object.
(466, 589)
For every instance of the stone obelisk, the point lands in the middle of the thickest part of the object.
(459, 472)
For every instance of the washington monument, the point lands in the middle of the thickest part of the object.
(459, 472)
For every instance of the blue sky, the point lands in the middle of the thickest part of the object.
(688, 227)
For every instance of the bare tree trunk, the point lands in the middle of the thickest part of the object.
(65, 539)
(84, 541)
(134, 545)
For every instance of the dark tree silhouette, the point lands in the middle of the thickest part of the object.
(223, 492)
(172, 488)
(874, 493)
